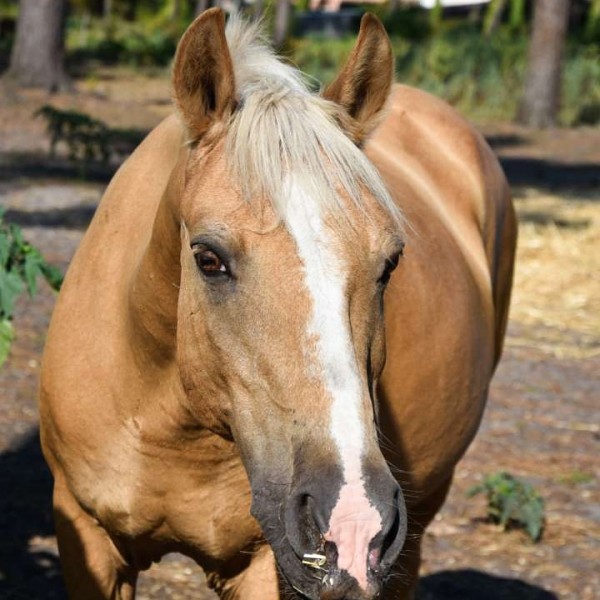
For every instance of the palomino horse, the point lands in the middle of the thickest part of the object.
(209, 379)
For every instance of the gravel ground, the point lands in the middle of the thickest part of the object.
(541, 422)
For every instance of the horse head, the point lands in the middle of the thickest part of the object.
(289, 238)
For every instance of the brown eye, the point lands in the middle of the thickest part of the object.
(390, 264)
(210, 263)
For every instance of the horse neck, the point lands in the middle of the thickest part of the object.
(154, 290)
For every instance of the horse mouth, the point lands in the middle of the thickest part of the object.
(321, 579)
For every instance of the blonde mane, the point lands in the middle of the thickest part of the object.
(281, 128)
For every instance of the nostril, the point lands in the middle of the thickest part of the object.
(304, 524)
(385, 548)
(317, 515)
(392, 534)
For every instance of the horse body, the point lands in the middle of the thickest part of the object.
(441, 354)
(143, 467)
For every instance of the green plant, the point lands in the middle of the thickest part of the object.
(482, 77)
(575, 478)
(512, 502)
(148, 42)
(20, 266)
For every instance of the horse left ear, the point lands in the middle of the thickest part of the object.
(203, 78)
(363, 86)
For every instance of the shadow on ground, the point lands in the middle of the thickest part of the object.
(74, 217)
(28, 571)
(468, 584)
(548, 174)
(15, 166)
(502, 140)
(519, 170)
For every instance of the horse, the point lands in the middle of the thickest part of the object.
(277, 336)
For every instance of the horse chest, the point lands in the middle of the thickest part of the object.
(184, 492)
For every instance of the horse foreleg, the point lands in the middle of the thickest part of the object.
(403, 581)
(93, 567)
(258, 581)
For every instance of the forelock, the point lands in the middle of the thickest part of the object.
(281, 127)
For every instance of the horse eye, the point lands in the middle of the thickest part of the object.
(210, 263)
(390, 264)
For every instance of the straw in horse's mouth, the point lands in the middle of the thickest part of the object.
(317, 562)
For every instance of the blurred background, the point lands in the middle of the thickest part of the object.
(82, 82)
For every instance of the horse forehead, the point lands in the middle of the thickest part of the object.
(215, 193)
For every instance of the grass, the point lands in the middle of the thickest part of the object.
(575, 478)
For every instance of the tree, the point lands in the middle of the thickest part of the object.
(541, 99)
(107, 6)
(201, 6)
(37, 58)
(283, 13)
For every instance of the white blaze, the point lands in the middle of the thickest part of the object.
(354, 521)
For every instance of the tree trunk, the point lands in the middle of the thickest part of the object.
(541, 99)
(175, 10)
(201, 6)
(37, 58)
(130, 11)
(493, 16)
(517, 14)
(259, 9)
(282, 21)
(393, 6)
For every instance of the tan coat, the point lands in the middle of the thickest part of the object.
(136, 476)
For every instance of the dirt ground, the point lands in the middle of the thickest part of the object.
(542, 419)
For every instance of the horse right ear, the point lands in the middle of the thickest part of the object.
(203, 79)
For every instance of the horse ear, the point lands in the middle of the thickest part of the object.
(363, 86)
(203, 79)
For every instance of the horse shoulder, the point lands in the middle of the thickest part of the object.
(87, 359)
(446, 303)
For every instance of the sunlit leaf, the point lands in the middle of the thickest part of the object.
(6, 337)
(53, 275)
(32, 268)
(11, 286)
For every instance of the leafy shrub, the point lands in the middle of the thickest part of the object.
(136, 44)
(20, 266)
(407, 22)
(581, 85)
(512, 502)
(482, 77)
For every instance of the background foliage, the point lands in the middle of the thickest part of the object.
(483, 76)
(20, 266)
(477, 68)
(512, 502)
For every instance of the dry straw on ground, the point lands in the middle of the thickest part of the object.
(557, 281)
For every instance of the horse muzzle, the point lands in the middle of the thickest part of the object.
(344, 538)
